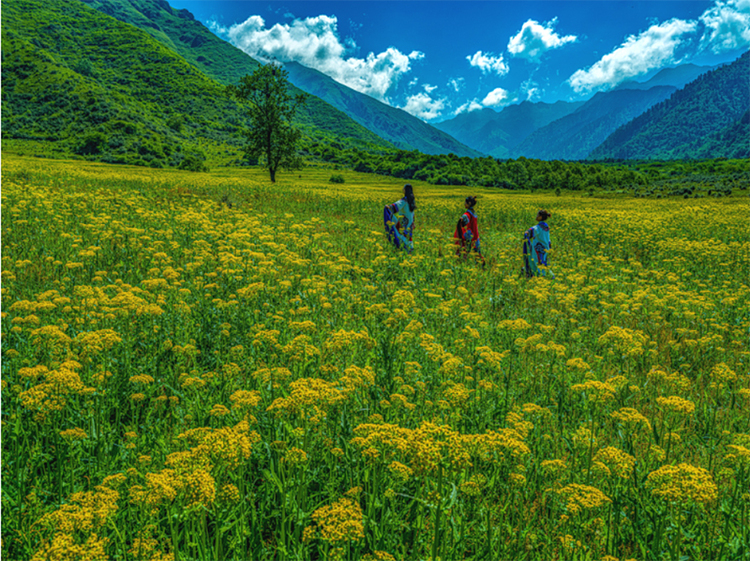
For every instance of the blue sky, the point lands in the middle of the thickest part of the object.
(437, 59)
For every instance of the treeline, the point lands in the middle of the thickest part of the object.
(647, 178)
(449, 169)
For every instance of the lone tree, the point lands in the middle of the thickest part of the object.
(271, 137)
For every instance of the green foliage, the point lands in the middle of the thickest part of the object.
(92, 144)
(271, 134)
(193, 162)
(337, 178)
(70, 77)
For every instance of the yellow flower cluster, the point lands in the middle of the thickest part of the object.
(676, 404)
(616, 461)
(682, 483)
(579, 498)
(339, 522)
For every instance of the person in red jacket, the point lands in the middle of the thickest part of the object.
(467, 231)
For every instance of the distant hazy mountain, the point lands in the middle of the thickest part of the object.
(498, 133)
(678, 77)
(693, 116)
(395, 125)
(574, 136)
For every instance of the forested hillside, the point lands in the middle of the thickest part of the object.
(679, 126)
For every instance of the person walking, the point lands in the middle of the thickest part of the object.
(398, 219)
(537, 244)
(466, 235)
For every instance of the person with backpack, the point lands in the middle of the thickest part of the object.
(466, 235)
(398, 219)
(537, 244)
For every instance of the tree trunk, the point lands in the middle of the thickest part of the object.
(273, 174)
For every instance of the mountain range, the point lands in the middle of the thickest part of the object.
(570, 131)
(138, 81)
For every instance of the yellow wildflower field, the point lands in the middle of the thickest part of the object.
(210, 366)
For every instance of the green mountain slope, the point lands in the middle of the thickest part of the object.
(678, 126)
(396, 125)
(732, 142)
(182, 33)
(498, 133)
(574, 136)
(102, 88)
(86, 83)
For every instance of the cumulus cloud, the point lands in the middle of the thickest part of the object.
(727, 26)
(314, 42)
(469, 106)
(651, 49)
(496, 97)
(535, 39)
(488, 63)
(422, 105)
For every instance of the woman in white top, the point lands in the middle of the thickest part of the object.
(399, 220)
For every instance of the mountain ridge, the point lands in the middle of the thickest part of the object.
(574, 136)
(675, 127)
(404, 130)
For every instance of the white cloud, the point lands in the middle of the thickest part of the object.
(314, 42)
(535, 39)
(469, 106)
(423, 106)
(727, 26)
(429, 89)
(496, 97)
(488, 63)
(457, 84)
(651, 49)
(531, 89)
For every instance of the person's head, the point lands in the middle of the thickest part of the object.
(409, 196)
(543, 215)
(470, 202)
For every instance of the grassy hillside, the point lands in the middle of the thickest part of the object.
(100, 88)
(676, 127)
(189, 38)
(81, 82)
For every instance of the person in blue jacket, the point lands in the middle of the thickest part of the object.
(398, 219)
(536, 246)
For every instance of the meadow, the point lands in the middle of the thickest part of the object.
(209, 366)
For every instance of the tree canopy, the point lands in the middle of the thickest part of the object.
(271, 136)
